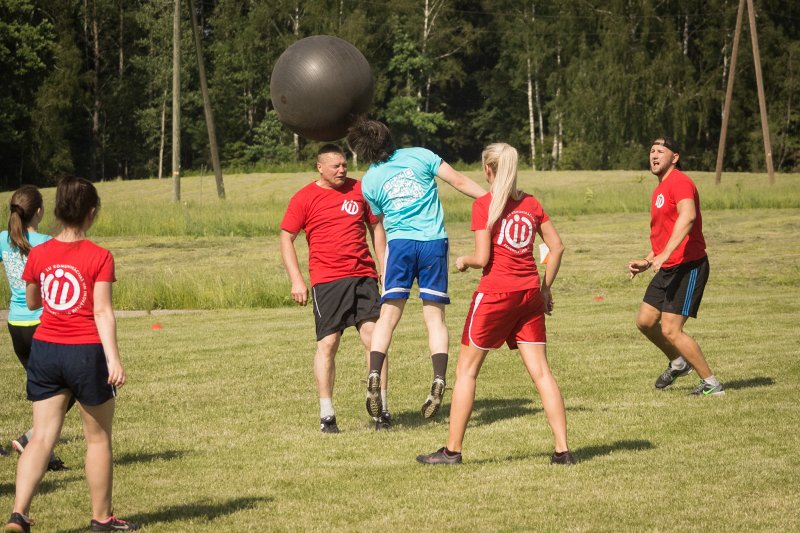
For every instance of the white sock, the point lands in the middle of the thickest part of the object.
(326, 407)
(385, 399)
(712, 380)
(678, 364)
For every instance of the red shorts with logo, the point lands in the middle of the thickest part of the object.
(510, 317)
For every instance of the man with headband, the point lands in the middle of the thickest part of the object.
(678, 259)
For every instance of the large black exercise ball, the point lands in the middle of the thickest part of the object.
(319, 85)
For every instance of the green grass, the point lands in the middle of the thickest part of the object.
(218, 426)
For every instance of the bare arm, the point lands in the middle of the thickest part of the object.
(33, 296)
(107, 329)
(378, 236)
(480, 256)
(552, 239)
(687, 213)
(289, 255)
(459, 181)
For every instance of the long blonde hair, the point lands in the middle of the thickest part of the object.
(502, 159)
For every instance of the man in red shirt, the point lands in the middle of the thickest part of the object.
(344, 282)
(678, 258)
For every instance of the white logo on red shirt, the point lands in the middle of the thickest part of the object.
(63, 288)
(660, 201)
(516, 230)
(350, 207)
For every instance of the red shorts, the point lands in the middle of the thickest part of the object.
(510, 317)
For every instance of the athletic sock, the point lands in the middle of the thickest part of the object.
(449, 453)
(376, 361)
(712, 380)
(439, 361)
(678, 364)
(326, 407)
(385, 399)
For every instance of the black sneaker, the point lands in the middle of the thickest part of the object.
(706, 389)
(374, 402)
(19, 444)
(670, 375)
(434, 400)
(113, 524)
(384, 421)
(18, 524)
(442, 456)
(563, 458)
(328, 425)
(3, 452)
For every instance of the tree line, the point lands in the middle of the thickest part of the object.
(572, 84)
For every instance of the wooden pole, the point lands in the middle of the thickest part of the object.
(762, 104)
(726, 109)
(212, 132)
(176, 103)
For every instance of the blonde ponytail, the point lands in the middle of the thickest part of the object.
(501, 158)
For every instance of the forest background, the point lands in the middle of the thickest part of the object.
(575, 85)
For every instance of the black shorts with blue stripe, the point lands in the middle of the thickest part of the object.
(679, 289)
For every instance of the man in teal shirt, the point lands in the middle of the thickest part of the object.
(400, 186)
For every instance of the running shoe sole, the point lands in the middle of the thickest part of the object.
(374, 402)
(434, 401)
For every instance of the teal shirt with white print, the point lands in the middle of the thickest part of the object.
(404, 190)
(14, 263)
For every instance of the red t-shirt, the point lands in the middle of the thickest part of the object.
(676, 186)
(66, 273)
(511, 265)
(333, 220)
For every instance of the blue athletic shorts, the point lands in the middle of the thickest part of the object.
(425, 261)
(78, 368)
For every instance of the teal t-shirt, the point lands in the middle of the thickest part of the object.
(403, 189)
(14, 263)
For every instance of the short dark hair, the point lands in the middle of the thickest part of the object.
(371, 141)
(330, 148)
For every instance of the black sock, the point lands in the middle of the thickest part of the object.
(439, 361)
(376, 361)
(451, 454)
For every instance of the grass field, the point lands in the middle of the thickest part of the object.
(218, 427)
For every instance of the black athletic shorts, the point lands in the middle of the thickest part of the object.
(679, 289)
(78, 368)
(343, 303)
(21, 339)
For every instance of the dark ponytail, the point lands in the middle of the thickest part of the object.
(24, 204)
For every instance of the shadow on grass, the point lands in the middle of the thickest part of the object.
(147, 457)
(590, 452)
(749, 383)
(203, 510)
(52, 481)
(484, 411)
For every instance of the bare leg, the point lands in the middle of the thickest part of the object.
(48, 418)
(97, 421)
(325, 364)
(438, 337)
(672, 330)
(391, 312)
(534, 356)
(470, 360)
(649, 322)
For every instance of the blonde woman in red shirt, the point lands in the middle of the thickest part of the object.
(510, 303)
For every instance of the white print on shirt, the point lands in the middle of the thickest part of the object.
(516, 231)
(660, 201)
(350, 207)
(63, 288)
(402, 189)
(15, 264)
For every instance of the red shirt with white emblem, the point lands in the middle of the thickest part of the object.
(676, 186)
(333, 220)
(511, 265)
(66, 273)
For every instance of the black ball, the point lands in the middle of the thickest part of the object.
(320, 85)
